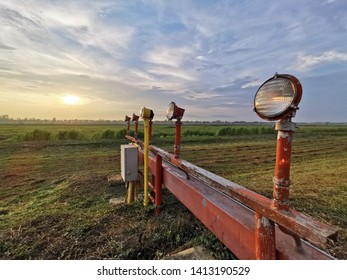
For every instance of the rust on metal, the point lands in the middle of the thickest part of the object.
(177, 147)
(282, 170)
(128, 127)
(136, 129)
(265, 238)
(158, 182)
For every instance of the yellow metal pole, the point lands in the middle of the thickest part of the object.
(130, 195)
(146, 143)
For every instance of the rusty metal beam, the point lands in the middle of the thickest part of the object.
(306, 227)
(233, 223)
(158, 182)
(265, 238)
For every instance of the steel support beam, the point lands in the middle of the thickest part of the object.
(228, 219)
(220, 205)
(306, 227)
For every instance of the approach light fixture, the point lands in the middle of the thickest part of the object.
(146, 113)
(278, 98)
(135, 118)
(174, 112)
(127, 118)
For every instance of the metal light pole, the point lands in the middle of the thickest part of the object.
(136, 119)
(281, 179)
(147, 115)
(177, 147)
(175, 112)
(127, 120)
(277, 99)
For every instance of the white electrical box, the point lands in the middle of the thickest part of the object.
(129, 162)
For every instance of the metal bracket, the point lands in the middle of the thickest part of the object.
(285, 125)
(281, 182)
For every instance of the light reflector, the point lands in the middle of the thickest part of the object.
(174, 112)
(146, 113)
(277, 97)
(135, 118)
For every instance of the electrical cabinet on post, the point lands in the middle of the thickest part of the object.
(129, 162)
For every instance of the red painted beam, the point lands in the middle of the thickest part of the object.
(158, 182)
(229, 219)
(306, 227)
(265, 238)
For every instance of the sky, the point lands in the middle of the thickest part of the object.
(90, 59)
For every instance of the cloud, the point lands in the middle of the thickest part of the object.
(166, 55)
(68, 38)
(171, 73)
(256, 83)
(6, 48)
(307, 62)
(200, 95)
(328, 2)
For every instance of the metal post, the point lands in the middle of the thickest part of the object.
(145, 152)
(158, 182)
(265, 238)
(128, 127)
(177, 147)
(150, 131)
(131, 192)
(136, 129)
(281, 180)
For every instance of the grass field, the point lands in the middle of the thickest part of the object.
(56, 187)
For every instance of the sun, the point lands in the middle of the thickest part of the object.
(71, 99)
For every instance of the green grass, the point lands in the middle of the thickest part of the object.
(54, 199)
(20, 133)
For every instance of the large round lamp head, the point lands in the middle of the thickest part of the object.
(174, 112)
(135, 118)
(278, 98)
(146, 113)
(127, 119)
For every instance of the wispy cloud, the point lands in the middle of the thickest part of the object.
(166, 55)
(200, 95)
(307, 62)
(6, 48)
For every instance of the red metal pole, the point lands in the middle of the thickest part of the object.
(136, 129)
(128, 128)
(158, 182)
(177, 147)
(282, 171)
(265, 238)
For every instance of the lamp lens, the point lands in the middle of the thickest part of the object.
(274, 97)
(142, 112)
(170, 111)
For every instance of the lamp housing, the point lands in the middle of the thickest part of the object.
(135, 118)
(146, 113)
(174, 112)
(278, 97)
